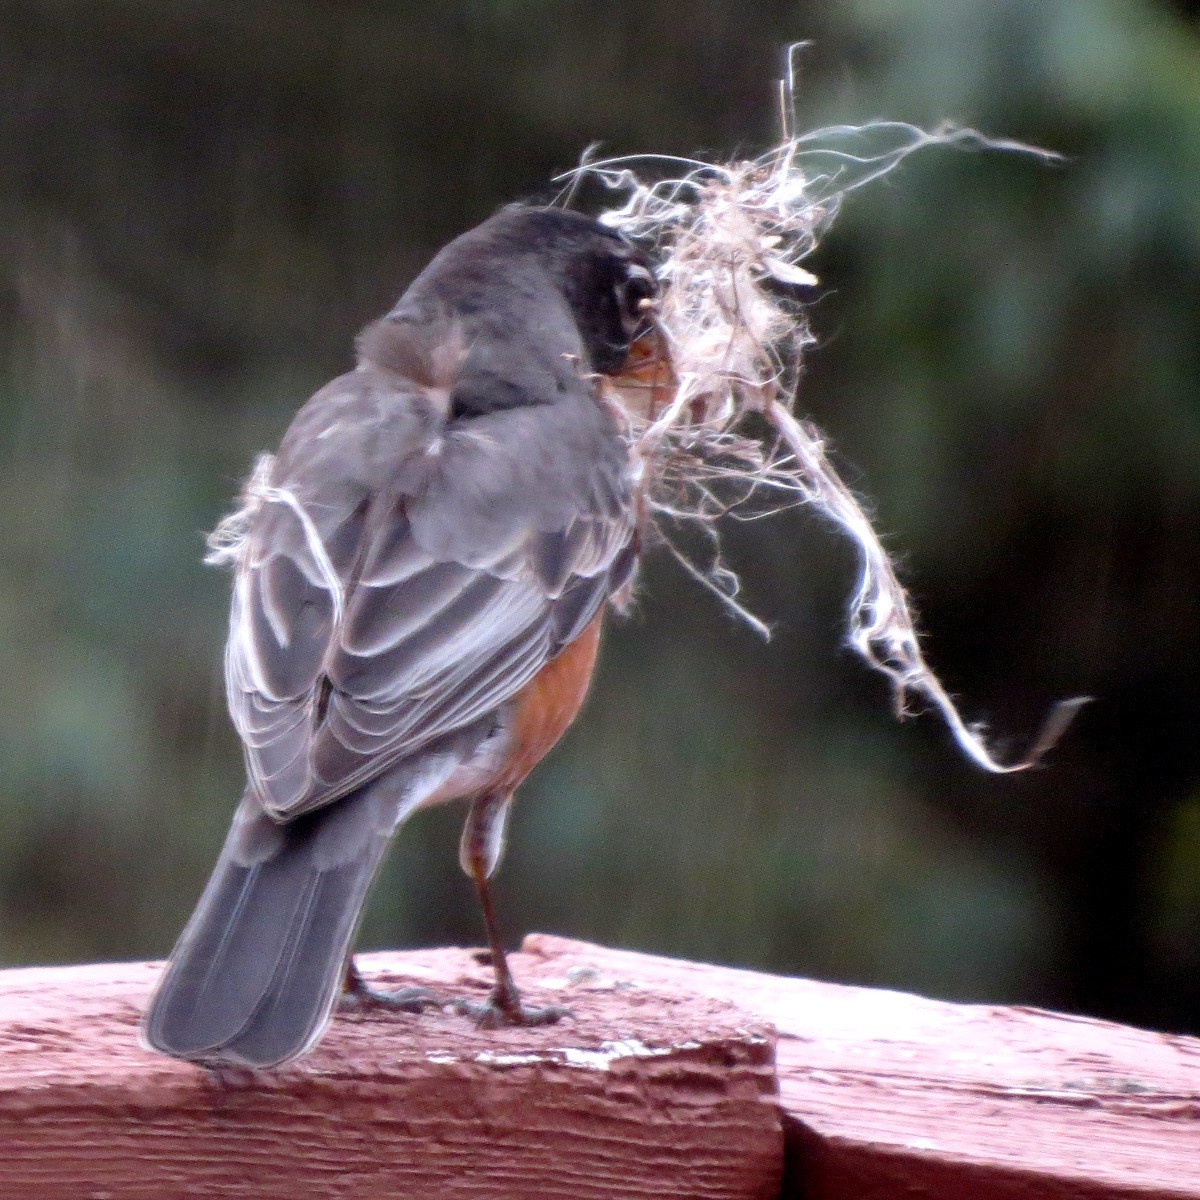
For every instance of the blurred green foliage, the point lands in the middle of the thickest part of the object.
(201, 203)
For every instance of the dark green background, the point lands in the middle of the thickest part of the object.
(201, 202)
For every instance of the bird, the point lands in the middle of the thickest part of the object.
(421, 572)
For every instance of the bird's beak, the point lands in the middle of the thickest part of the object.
(647, 382)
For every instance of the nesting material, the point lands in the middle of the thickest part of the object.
(709, 407)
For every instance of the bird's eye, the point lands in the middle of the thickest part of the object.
(638, 286)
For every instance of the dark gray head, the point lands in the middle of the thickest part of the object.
(507, 278)
(603, 277)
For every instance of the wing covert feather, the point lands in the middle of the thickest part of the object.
(449, 570)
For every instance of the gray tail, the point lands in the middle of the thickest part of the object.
(259, 967)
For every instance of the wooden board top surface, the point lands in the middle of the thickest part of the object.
(893, 1088)
(654, 1097)
(882, 1093)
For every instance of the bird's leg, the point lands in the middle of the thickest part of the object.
(479, 852)
(358, 994)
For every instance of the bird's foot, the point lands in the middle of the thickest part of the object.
(406, 999)
(231, 1076)
(504, 1007)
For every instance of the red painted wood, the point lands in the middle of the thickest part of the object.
(647, 1096)
(888, 1094)
(661, 1086)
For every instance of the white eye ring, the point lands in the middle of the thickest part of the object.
(637, 271)
(634, 294)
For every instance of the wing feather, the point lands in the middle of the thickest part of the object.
(449, 567)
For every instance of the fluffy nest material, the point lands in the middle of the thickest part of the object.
(709, 405)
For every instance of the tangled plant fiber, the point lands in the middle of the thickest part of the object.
(709, 415)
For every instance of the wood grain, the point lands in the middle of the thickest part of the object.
(662, 1085)
(638, 1095)
(887, 1094)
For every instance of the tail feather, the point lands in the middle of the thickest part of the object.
(258, 969)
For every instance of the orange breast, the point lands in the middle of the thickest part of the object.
(547, 705)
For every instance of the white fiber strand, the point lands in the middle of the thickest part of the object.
(731, 240)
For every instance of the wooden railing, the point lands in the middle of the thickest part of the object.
(670, 1081)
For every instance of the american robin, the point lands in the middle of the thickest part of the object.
(416, 612)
